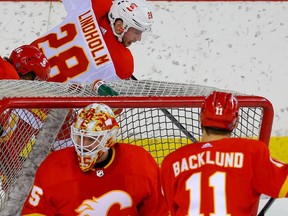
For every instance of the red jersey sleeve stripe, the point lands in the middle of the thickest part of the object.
(284, 189)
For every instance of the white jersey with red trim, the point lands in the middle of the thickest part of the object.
(76, 49)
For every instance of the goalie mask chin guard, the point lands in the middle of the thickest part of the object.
(220, 110)
(93, 133)
(27, 58)
(133, 13)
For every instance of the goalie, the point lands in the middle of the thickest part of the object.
(98, 176)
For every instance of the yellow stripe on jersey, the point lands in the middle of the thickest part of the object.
(279, 148)
(284, 189)
(34, 214)
(112, 159)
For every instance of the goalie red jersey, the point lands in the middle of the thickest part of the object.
(223, 177)
(83, 48)
(128, 185)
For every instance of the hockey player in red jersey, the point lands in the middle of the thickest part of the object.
(7, 71)
(97, 176)
(221, 175)
(26, 63)
(30, 63)
(91, 42)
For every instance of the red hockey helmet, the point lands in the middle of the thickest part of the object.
(27, 58)
(220, 110)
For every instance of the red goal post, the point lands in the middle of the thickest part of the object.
(160, 116)
(161, 102)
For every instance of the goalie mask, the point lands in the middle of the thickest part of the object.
(133, 13)
(220, 110)
(93, 133)
(29, 59)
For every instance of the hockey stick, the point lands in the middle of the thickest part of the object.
(266, 207)
(174, 120)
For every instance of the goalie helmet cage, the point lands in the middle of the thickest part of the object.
(159, 116)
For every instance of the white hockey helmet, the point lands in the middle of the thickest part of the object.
(94, 132)
(133, 13)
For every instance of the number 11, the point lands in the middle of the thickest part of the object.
(217, 181)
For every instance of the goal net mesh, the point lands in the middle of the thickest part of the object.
(36, 117)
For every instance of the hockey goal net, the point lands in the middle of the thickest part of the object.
(36, 116)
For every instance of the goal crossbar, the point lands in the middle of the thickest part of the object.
(142, 102)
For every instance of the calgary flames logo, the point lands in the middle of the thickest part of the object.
(100, 206)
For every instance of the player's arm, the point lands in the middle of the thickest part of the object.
(155, 203)
(36, 202)
(101, 7)
(167, 182)
(270, 176)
